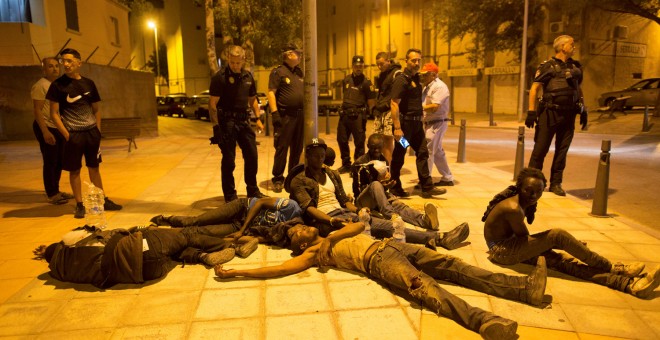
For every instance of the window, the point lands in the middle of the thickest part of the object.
(115, 29)
(71, 9)
(15, 11)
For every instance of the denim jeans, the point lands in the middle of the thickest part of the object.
(525, 249)
(52, 156)
(416, 269)
(380, 228)
(223, 219)
(376, 198)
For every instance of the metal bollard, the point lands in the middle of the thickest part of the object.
(491, 118)
(461, 144)
(452, 118)
(645, 126)
(599, 206)
(327, 121)
(520, 153)
(267, 122)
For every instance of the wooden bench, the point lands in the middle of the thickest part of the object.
(617, 105)
(128, 127)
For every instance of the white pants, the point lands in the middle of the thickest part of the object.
(434, 134)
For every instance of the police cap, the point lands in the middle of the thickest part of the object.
(358, 60)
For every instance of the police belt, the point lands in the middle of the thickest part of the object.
(290, 112)
(237, 115)
(555, 107)
(412, 117)
(352, 111)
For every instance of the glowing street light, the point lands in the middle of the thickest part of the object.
(153, 26)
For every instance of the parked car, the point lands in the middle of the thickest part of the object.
(263, 105)
(172, 104)
(326, 101)
(202, 106)
(642, 93)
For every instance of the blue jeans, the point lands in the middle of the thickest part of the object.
(525, 249)
(380, 228)
(415, 269)
(223, 220)
(376, 198)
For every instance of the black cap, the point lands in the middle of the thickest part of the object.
(358, 60)
(316, 142)
(290, 47)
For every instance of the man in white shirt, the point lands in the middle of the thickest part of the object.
(435, 102)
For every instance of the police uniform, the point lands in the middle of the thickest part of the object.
(382, 117)
(560, 104)
(408, 88)
(353, 114)
(289, 92)
(234, 90)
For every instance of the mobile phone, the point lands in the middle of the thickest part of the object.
(404, 142)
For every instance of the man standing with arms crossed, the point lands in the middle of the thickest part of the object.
(74, 108)
(353, 114)
(51, 141)
(232, 94)
(407, 115)
(285, 99)
(435, 102)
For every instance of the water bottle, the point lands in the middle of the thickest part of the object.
(399, 228)
(93, 202)
(364, 217)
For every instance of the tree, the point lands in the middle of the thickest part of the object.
(162, 62)
(210, 36)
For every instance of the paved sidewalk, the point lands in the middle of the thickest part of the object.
(178, 173)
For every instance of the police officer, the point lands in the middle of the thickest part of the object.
(285, 99)
(382, 116)
(407, 114)
(233, 93)
(562, 100)
(353, 113)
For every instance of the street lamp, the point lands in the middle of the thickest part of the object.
(153, 26)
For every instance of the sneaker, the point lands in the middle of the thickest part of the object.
(247, 248)
(110, 205)
(79, 211)
(628, 270)
(444, 184)
(160, 220)
(277, 187)
(431, 212)
(344, 169)
(58, 199)
(499, 328)
(431, 192)
(398, 192)
(536, 282)
(219, 257)
(66, 195)
(451, 239)
(557, 190)
(643, 286)
(258, 194)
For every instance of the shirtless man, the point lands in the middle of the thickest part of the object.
(411, 268)
(510, 242)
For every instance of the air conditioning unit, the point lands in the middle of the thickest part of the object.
(621, 32)
(556, 27)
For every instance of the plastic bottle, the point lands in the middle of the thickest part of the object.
(93, 202)
(399, 228)
(365, 218)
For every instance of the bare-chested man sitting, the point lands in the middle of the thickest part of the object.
(510, 242)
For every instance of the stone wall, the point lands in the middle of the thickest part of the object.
(124, 93)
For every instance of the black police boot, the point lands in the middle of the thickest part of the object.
(557, 190)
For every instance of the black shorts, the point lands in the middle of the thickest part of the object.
(82, 143)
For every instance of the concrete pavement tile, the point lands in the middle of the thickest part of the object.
(27, 318)
(230, 303)
(213, 282)
(309, 326)
(22, 268)
(606, 224)
(311, 275)
(377, 323)
(83, 334)
(631, 236)
(585, 336)
(652, 319)
(607, 321)
(296, 299)
(652, 304)
(14, 251)
(11, 287)
(644, 252)
(414, 316)
(534, 333)
(158, 308)
(39, 290)
(277, 255)
(234, 329)
(164, 332)
(439, 328)
(359, 294)
(190, 277)
(612, 251)
(590, 235)
(550, 317)
(334, 274)
(584, 293)
(102, 311)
